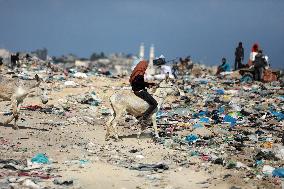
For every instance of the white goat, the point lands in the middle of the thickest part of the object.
(9, 91)
(122, 102)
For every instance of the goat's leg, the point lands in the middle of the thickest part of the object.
(114, 125)
(108, 125)
(9, 120)
(115, 130)
(141, 127)
(154, 120)
(111, 122)
(15, 115)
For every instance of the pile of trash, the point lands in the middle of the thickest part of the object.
(238, 126)
(215, 122)
(34, 173)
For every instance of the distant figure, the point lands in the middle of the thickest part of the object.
(239, 56)
(188, 63)
(185, 65)
(14, 60)
(259, 64)
(181, 66)
(28, 57)
(1, 63)
(167, 77)
(66, 72)
(224, 67)
(175, 69)
(253, 53)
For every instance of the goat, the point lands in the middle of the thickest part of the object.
(130, 103)
(9, 91)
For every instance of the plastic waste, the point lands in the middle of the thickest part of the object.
(267, 145)
(197, 125)
(63, 182)
(204, 120)
(194, 153)
(188, 90)
(83, 161)
(180, 112)
(267, 170)
(221, 110)
(259, 162)
(6, 113)
(219, 161)
(160, 114)
(80, 75)
(240, 165)
(266, 155)
(231, 165)
(230, 120)
(200, 114)
(150, 167)
(139, 156)
(40, 158)
(105, 111)
(278, 115)
(70, 84)
(220, 91)
(279, 172)
(279, 153)
(281, 98)
(191, 138)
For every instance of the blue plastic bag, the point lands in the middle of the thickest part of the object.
(197, 125)
(200, 114)
(279, 115)
(279, 172)
(40, 158)
(230, 119)
(221, 110)
(220, 92)
(191, 138)
(204, 120)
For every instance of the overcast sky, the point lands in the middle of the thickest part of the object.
(205, 29)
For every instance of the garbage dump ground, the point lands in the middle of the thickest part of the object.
(218, 134)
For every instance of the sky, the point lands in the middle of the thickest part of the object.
(207, 30)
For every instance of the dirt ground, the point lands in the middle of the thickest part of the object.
(80, 153)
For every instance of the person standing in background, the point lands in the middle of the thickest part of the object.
(175, 69)
(259, 63)
(1, 63)
(239, 56)
(14, 60)
(254, 51)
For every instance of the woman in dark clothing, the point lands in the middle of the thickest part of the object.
(239, 56)
(139, 88)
